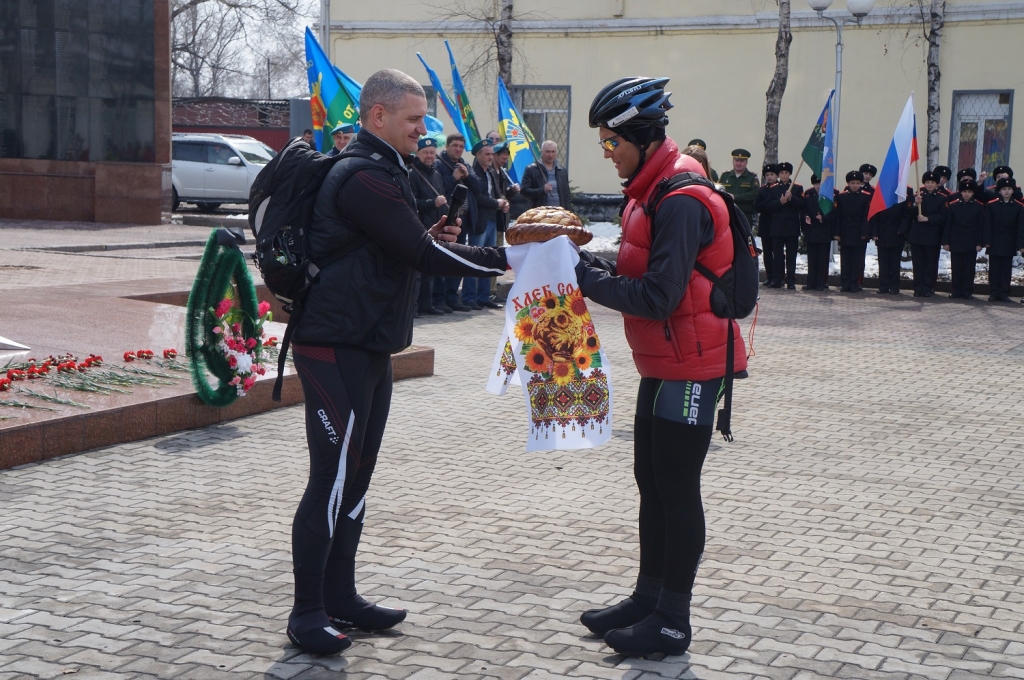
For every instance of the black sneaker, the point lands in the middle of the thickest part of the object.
(459, 307)
(656, 634)
(446, 309)
(619, 615)
(791, 286)
(433, 311)
(475, 306)
(491, 304)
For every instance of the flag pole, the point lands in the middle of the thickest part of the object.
(792, 180)
(917, 171)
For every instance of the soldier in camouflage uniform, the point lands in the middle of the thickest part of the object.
(741, 183)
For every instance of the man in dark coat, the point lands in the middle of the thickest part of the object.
(850, 220)
(1004, 237)
(925, 235)
(889, 230)
(818, 237)
(454, 170)
(786, 208)
(963, 236)
(546, 182)
(431, 206)
(992, 194)
(476, 293)
(742, 183)
(765, 196)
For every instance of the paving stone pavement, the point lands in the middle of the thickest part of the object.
(865, 523)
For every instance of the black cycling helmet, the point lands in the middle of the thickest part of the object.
(630, 104)
(634, 108)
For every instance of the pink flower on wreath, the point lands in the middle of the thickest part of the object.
(223, 308)
(236, 328)
(250, 343)
(234, 381)
(248, 383)
(232, 361)
(264, 308)
(216, 330)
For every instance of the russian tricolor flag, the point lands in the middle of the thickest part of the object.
(893, 179)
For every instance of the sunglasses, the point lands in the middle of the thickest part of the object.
(609, 143)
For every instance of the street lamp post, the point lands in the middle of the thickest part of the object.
(858, 9)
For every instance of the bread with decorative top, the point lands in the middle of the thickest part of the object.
(545, 223)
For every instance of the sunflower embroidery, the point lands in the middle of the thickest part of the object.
(537, 360)
(562, 373)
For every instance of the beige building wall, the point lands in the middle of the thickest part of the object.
(719, 55)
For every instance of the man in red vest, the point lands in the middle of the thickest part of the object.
(679, 348)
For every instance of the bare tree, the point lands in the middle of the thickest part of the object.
(777, 88)
(503, 41)
(237, 47)
(926, 33)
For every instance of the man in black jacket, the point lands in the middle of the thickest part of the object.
(358, 313)
(431, 205)
(818, 237)
(889, 230)
(765, 196)
(962, 236)
(1004, 236)
(850, 218)
(546, 182)
(786, 208)
(925, 235)
(476, 293)
(454, 170)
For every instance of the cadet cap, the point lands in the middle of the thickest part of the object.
(479, 145)
(942, 171)
(1003, 170)
(740, 153)
(867, 167)
(1006, 182)
(698, 142)
(426, 143)
(929, 176)
(854, 175)
(968, 184)
(785, 167)
(343, 128)
(967, 172)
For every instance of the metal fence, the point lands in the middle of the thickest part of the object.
(979, 133)
(546, 111)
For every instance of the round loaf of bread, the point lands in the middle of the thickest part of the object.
(544, 224)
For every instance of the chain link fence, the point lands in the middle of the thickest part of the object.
(979, 135)
(546, 111)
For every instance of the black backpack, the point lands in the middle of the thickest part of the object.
(734, 294)
(281, 204)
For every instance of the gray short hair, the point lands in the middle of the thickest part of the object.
(549, 141)
(387, 87)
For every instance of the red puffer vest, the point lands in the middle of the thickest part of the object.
(691, 343)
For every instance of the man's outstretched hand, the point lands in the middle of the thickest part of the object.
(450, 233)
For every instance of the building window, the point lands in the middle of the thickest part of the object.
(980, 129)
(546, 111)
(76, 80)
(431, 100)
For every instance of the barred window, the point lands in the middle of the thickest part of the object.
(980, 129)
(546, 111)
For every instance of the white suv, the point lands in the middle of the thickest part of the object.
(208, 169)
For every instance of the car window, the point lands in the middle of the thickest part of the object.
(255, 152)
(189, 151)
(219, 154)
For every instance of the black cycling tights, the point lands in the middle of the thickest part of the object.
(672, 433)
(348, 395)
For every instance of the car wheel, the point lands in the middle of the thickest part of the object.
(207, 207)
(174, 199)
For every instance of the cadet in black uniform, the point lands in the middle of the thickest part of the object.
(850, 220)
(925, 235)
(998, 174)
(889, 229)
(869, 171)
(962, 237)
(1004, 236)
(969, 173)
(786, 209)
(942, 175)
(764, 221)
(818, 237)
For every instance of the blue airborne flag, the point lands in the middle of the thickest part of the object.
(462, 99)
(819, 154)
(446, 101)
(522, 145)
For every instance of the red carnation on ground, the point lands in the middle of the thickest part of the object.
(144, 354)
(5, 384)
(170, 353)
(129, 356)
(271, 341)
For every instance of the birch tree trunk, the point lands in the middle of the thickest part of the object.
(934, 35)
(778, 85)
(504, 43)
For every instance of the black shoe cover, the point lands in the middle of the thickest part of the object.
(619, 615)
(368, 617)
(320, 641)
(655, 634)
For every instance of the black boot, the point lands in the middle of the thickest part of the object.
(345, 607)
(619, 615)
(655, 634)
